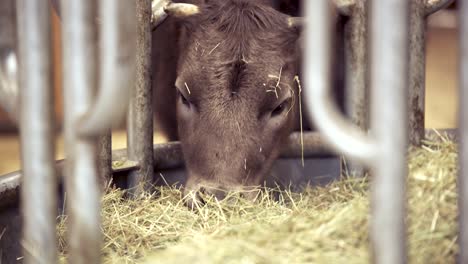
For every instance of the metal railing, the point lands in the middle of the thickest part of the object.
(396, 32)
(101, 65)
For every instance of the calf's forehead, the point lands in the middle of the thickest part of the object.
(218, 62)
(257, 81)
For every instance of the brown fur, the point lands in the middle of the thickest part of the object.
(228, 55)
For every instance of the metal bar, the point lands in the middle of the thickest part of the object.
(463, 133)
(140, 115)
(357, 103)
(38, 192)
(383, 150)
(105, 159)
(356, 65)
(116, 68)
(389, 81)
(340, 133)
(81, 179)
(417, 70)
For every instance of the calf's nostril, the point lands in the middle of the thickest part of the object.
(219, 194)
(193, 200)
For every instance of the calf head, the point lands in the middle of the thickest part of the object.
(237, 94)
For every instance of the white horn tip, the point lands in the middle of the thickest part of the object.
(294, 22)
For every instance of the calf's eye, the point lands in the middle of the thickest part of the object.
(281, 108)
(183, 99)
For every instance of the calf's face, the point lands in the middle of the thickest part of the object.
(237, 96)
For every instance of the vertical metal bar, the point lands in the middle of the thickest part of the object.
(117, 57)
(389, 80)
(38, 192)
(140, 116)
(357, 103)
(417, 70)
(340, 133)
(80, 80)
(356, 64)
(385, 148)
(463, 130)
(105, 159)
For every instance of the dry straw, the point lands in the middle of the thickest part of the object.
(322, 225)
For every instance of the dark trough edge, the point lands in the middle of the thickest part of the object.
(169, 156)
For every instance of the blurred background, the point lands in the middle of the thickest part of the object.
(441, 88)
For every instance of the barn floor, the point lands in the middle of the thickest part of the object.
(441, 99)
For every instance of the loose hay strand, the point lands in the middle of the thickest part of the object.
(324, 224)
(186, 87)
(296, 78)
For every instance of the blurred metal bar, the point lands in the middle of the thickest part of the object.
(116, 67)
(8, 59)
(384, 149)
(389, 24)
(463, 131)
(433, 6)
(39, 187)
(417, 70)
(81, 178)
(357, 103)
(339, 133)
(356, 65)
(140, 115)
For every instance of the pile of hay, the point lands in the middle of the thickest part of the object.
(322, 225)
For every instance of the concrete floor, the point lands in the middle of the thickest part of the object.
(441, 98)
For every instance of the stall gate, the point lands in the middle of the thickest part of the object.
(96, 91)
